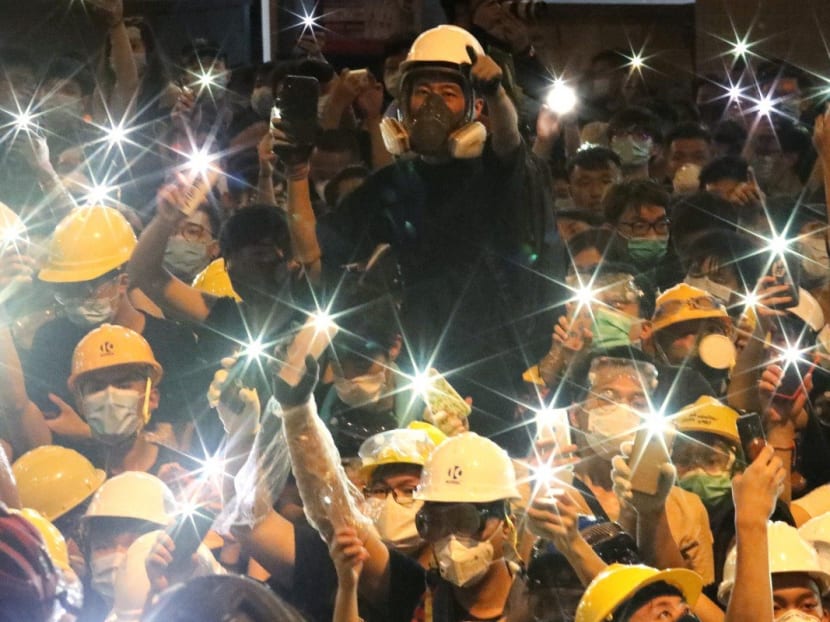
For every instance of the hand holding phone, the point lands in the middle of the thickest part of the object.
(648, 455)
(188, 532)
(751, 433)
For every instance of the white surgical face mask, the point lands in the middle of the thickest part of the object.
(104, 568)
(796, 615)
(463, 561)
(362, 390)
(396, 523)
(815, 262)
(112, 414)
(91, 312)
(185, 258)
(722, 292)
(609, 426)
(632, 152)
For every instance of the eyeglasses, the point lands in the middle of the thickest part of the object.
(439, 520)
(641, 228)
(193, 232)
(66, 293)
(402, 495)
(701, 303)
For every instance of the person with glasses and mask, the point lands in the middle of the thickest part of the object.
(193, 245)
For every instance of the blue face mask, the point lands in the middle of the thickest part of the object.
(186, 259)
(647, 250)
(710, 488)
(611, 328)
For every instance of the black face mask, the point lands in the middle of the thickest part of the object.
(430, 127)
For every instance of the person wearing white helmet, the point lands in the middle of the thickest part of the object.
(467, 200)
(124, 507)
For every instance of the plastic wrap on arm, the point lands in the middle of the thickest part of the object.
(261, 478)
(329, 498)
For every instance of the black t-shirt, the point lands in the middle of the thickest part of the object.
(468, 239)
(49, 364)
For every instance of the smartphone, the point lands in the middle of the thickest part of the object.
(295, 105)
(552, 423)
(649, 453)
(198, 193)
(440, 396)
(188, 532)
(751, 433)
(361, 77)
(786, 273)
(313, 338)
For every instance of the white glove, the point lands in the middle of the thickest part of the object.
(235, 422)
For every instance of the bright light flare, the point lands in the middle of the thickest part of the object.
(791, 356)
(636, 62)
(207, 79)
(24, 121)
(323, 321)
(253, 349)
(765, 106)
(750, 300)
(561, 98)
(309, 20)
(778, 244)
(12, 235)
(740, 48)
(735, 92)
(116, 135)
(213, 467)
(199, 161)
(98, 194)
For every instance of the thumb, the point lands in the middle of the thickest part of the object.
(472, 54)
(667, 476)
(59, 402)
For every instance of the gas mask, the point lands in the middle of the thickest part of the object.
(396, 523)
(113, 414)
(632, 152)
(104, 570)
(609, 426)
(463, 561)
(91, 312)
(362, 390)
(185, 259)
(261, 101)
(434, 131)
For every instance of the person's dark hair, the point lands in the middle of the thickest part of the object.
(635, 117)
(201, 49)
(71, 69)
(724, 167)
(726, 248)
(632, 194)
(242, 171)
(794, 138)
(212, 213)
(731, 134)
(688, 131)
(605, 241)
(615, 58)
(593, 159)
(338, 140)
(643, 596)
(217, 598)
(691, 214)
(775, 69)
(253, 225)
(332, 193)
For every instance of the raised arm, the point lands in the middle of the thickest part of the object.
(486, 76)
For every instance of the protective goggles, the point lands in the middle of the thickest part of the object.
(439, 520)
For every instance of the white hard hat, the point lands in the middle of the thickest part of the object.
(808, 310)
(468, 468)
(817, 532)
(788, 552)
(132, 585)
(136, 495)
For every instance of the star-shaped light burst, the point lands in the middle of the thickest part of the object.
(740, 47)
(99, 194)
(561, 98)
(199, 161)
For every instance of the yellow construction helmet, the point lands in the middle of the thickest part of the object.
(110, 346)
(87, 243)
(214, 280)
(619, 582)
(54, 540)
(707, 414)
(682, 303)
(54, 479)
(398, 446)
(436, 435)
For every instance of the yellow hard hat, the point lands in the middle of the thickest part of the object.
(214, 280)
(398, 446)
(619, 582)
(54, 540)
(436, 435)
(54, 479)
(110, 346)
(707, 414)
(682, 303)
(87, 243)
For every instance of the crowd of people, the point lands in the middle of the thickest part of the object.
(432, 340)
